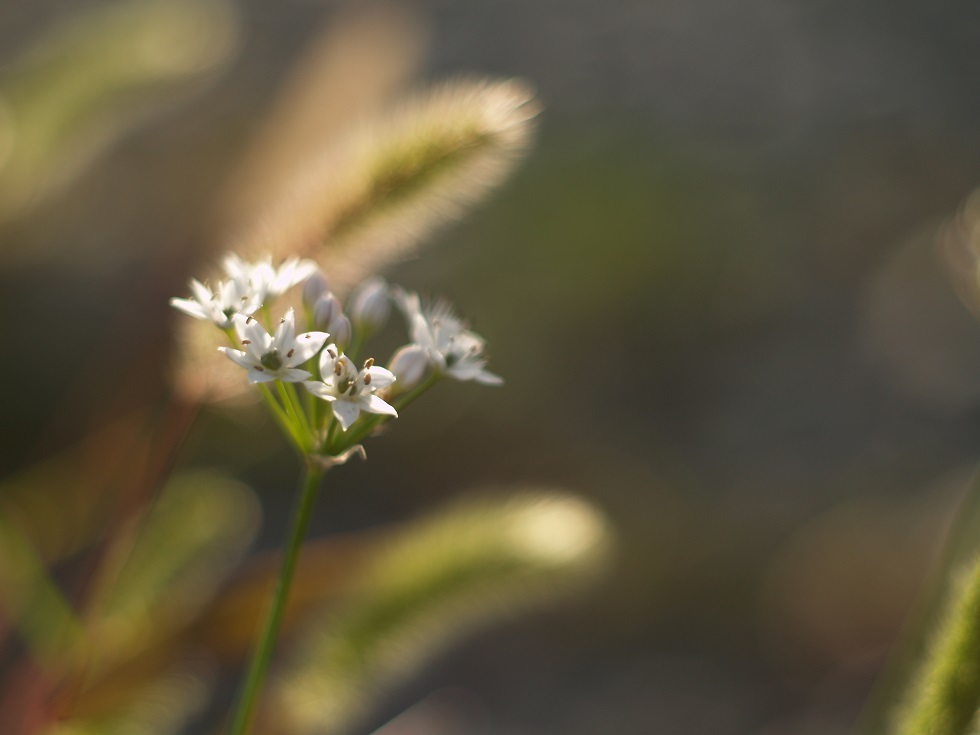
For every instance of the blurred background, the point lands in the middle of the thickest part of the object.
(713, 288)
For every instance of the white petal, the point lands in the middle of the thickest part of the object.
(230, 294)
(320, 390)
(240, 358)
(292, 375)
(407, 301)
(473, 369)
(380, 378)
(286, 331)
(346, 412)
(200, 292)
(249, 330)
(409, 364)
(261, 277)
(260, 375)
(421, 332)
(347, 367)
(437, 359)
(191, 308)
(235, 266)
(328, 358)
(465, 369)
(304, 347)
(373, 404)
(290, 273)
(485, 377)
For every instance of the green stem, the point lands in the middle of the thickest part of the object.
(285, 423)
(300, 410)
(407, 398)
(270, 630)
(331, 433)
(296, 415)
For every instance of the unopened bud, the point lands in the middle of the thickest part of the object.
(315, 287)
(369, 304)
(409, 364)
(340, 330)
(325, 310)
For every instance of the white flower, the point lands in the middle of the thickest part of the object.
(453, 350)
(269, 358)
(265, 281)
(291, 272)
(350, 391)
(233, 296)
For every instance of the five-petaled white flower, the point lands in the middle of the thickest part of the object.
(233, 296)
(263, 279)
(453, 349)
(350, 391)
(268, 357)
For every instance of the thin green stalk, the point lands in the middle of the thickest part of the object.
(296, 415)
(270, 629)
(285, 423)
(331, 433)
(404, 400)
(300, 411)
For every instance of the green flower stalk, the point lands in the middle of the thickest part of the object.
(273, 619)
(945, 696)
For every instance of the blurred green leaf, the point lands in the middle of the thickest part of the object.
(32, 601)
(438, 579)
(160, 707)
(84, 83)
(194, 535)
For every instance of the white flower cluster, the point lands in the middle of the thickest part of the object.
(441, 345)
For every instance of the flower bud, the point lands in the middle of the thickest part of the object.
(340, 330)
(315, 287)
(369, 304)
(409, 364)
(325, 310)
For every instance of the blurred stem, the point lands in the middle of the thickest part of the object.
(944, 701)
(896, 681)
(270, 629)
(404, 400)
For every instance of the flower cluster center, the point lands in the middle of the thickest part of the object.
(271, 360)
